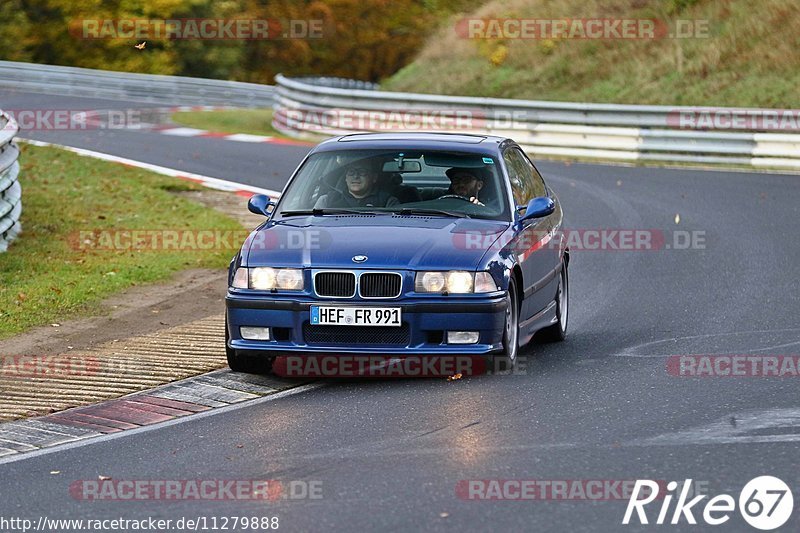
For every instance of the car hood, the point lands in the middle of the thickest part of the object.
(388, 241)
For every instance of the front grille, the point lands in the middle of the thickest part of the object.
(336, 284)
(380, 284)
(356, 335)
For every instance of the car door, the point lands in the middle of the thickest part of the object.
(537, 255)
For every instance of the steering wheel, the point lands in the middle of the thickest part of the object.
(455, 196)
(476, 202)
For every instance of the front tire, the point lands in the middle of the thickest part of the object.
(245, 363)
(558, 331)
(505, 361)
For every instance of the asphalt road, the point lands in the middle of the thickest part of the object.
(601, 406)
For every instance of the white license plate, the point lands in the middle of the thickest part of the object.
(355, 316)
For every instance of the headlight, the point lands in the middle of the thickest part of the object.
(263, 279)
(429, 282)
(290, 279)
(454, 282)
(266, 279)
(459, 282)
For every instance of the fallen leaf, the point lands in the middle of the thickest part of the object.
(22, 297)
(678, 219)
(454, 377)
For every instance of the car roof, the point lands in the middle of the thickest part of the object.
(457, 142)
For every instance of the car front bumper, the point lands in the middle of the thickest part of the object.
(425, 323)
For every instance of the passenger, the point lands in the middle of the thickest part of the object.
(362, 191)
(466, 182)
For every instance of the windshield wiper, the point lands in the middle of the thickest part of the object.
(425, 211)
(325, 211)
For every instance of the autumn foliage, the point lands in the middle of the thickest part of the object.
(360, 39)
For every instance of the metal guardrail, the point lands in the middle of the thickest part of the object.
(310, 108)
(10, 190)
(338, 83)
(150, 88)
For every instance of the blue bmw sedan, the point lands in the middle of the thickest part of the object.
(422, 244)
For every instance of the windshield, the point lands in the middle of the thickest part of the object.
(426, 182)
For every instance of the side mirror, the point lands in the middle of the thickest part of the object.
(538, 208)
(259, 204)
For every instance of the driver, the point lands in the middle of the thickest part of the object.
(362, 190)
(466, 182)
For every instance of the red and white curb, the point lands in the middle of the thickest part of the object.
(206, 181)
(181, 131)
(95, 118)
(167, 404)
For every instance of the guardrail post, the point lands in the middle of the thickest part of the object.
(10, 189)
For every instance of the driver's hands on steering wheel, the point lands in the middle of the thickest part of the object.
(471, 199)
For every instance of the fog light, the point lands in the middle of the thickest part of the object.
(254, 334)
(462, 337)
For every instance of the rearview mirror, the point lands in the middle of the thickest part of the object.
(407, 166)
(538, 208)
(259, 204)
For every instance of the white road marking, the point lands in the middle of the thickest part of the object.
(767, 425)
(636, 351)
(247, 138)
(206, 181)
(183, 132)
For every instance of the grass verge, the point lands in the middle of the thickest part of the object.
(47, 275)
(252, 121)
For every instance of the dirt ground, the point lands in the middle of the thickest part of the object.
(142, 337)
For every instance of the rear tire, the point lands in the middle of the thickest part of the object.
(558, 331)
(246, 364)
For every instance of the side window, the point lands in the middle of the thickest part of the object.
(520, 172)
(537, 181)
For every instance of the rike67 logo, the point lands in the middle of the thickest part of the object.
(765, 503)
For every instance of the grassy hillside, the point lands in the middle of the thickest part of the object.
(750, 58)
